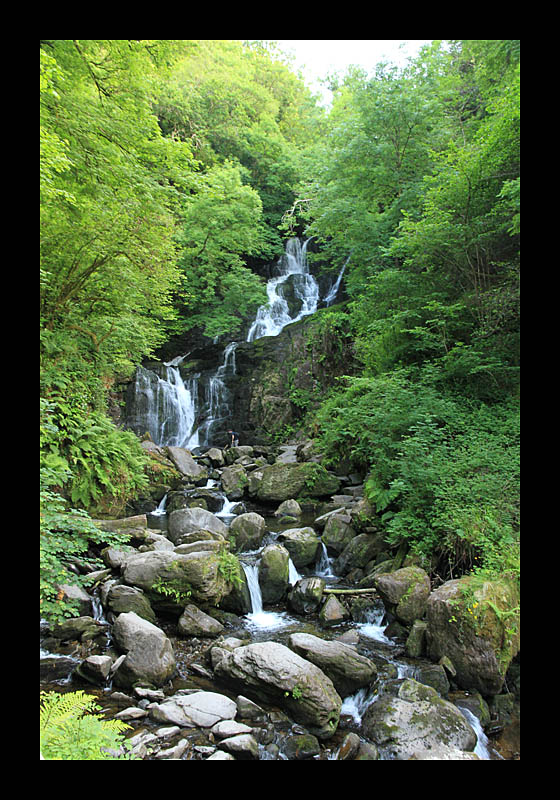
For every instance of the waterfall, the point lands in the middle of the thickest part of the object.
(166, 407)
(333, 291)
(482, 748)
(323, 567)
(217, 409)
(259, 618)
(373, 628)
(294, 282)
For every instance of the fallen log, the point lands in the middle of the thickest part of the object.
(347, 591)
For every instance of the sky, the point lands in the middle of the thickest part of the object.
(319, 57)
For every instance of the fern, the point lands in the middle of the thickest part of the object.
(72, 730)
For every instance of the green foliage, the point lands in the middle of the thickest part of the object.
(72, 729)
(229, 567)
(103, 462)
(220, 226)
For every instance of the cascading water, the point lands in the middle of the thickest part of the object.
(217, 410)
(333, 291)
(292, 295)
(165, 406)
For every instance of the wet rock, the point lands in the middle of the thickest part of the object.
(302, 544)
(404, 592)
(274, 572)
(347, 669)
(333, 612)
(274, 673)
(416, 720)
(338, 532)
(301, 747)
(306, 595)
(149, 654)
(194, 622)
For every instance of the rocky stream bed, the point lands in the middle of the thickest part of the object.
(257, 614)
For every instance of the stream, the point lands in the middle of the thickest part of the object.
(185, 413)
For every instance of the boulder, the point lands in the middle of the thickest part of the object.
(404, 592)
(243, 746)
(274, 573)
(184, 574)
(187, 466)
(188, 520)
(338, 532)
(121, 599)
(416, 720)
(194, 622)
(275, 674)
(246, 531)
(476, 625)
(200, 709)
(359, 551)
(289, 508)
(333, 612)
(306, 595)
(216, 456)
(347, 669)
(149, 654)
(284, 481)
(95, 669)
(302, 544)
(234, 481)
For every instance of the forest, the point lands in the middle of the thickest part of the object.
(172, 170)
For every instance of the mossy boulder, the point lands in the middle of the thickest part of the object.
(302, 544)
(475, 623)
(274, 573)
(196, 575)
(285, 481)
(416, 720)
(404, 592)
(246, 531)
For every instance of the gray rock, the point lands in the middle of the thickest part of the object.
(416, 720)
(274, 673)
(244, 746)
(194, 622)
(149, 654)
(187, 520)
(347, 669)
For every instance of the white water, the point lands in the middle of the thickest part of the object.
(482, 748)
(293, 274)
(373, 628)
(259, 618)
(160, 510)
(168, 407)
(217, 410)
(333, 291)
(323, 568)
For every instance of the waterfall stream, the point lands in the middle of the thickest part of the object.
(195, 411)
